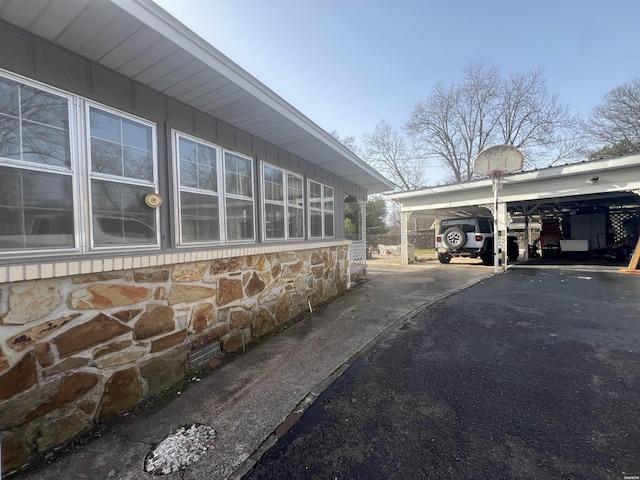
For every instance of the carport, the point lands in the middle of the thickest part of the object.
(585, 210)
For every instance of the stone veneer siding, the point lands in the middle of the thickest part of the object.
(76, 350)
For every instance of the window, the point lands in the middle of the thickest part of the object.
(198, 199)
(122, 166)
(283, 211)
(40, 211)
(36, 168)
(321, 208)
(239, 212)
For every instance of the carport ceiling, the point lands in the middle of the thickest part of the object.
(579, 204)
(601, 183)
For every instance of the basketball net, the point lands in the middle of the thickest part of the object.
(496, 178)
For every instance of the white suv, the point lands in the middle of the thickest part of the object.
(470, 237)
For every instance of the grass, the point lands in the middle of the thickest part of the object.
(425, 254)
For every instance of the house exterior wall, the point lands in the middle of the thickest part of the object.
(84, 336)
(36, 59)
(79, 349)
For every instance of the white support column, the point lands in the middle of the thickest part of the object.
(503, 221)
(363, 226)
(404, 236)
(527, 231)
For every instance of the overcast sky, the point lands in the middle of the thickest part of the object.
(347, 64)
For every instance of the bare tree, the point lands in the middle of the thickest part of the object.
(616, 122)
(534, 121)
(457, 122)
(348, 141)
(388, 151)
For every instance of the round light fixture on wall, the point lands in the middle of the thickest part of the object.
(153, 200)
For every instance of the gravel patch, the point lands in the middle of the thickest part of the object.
(180, 449)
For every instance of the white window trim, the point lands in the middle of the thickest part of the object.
(79, 171)
(72, 171)
(238, 197)
(177, 189)
(321, 209)
(284, 203)
(86, 138)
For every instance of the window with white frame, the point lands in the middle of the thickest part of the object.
(36, 168)
(207, 200)
(198, 198)
(122, 166)
(321, 208)
(41, 186)
(283, 208)
(238, 197)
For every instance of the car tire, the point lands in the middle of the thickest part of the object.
(444, 257)
(454, 238)
(512, 250)
(487, 255)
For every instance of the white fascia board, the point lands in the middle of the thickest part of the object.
(168, 26)
(614, 170)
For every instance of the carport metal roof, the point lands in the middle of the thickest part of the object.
(612, 181)
(140, 40)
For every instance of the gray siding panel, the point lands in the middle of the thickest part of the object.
(243, 142)
(226, 135)
(14, 49)
(295, 163)
(283, 159)
(181, 116)
(272, 153)
(259, 148)
(206, 127)
(112, 89)
(66, 70)
(148, 103)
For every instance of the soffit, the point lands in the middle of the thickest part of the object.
(140, 40)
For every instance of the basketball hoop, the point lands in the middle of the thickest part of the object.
(496, 162)
(497, 177)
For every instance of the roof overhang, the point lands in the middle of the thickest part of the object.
(140, 40)
(597, 179)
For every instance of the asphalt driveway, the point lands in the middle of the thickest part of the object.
(529, 374)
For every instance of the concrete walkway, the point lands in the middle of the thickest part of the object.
(247, 399)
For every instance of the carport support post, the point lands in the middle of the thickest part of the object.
(496, 232)
(404, 237)
(527, 232)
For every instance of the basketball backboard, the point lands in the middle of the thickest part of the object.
(498, 160)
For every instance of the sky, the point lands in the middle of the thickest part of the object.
(348, 64)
